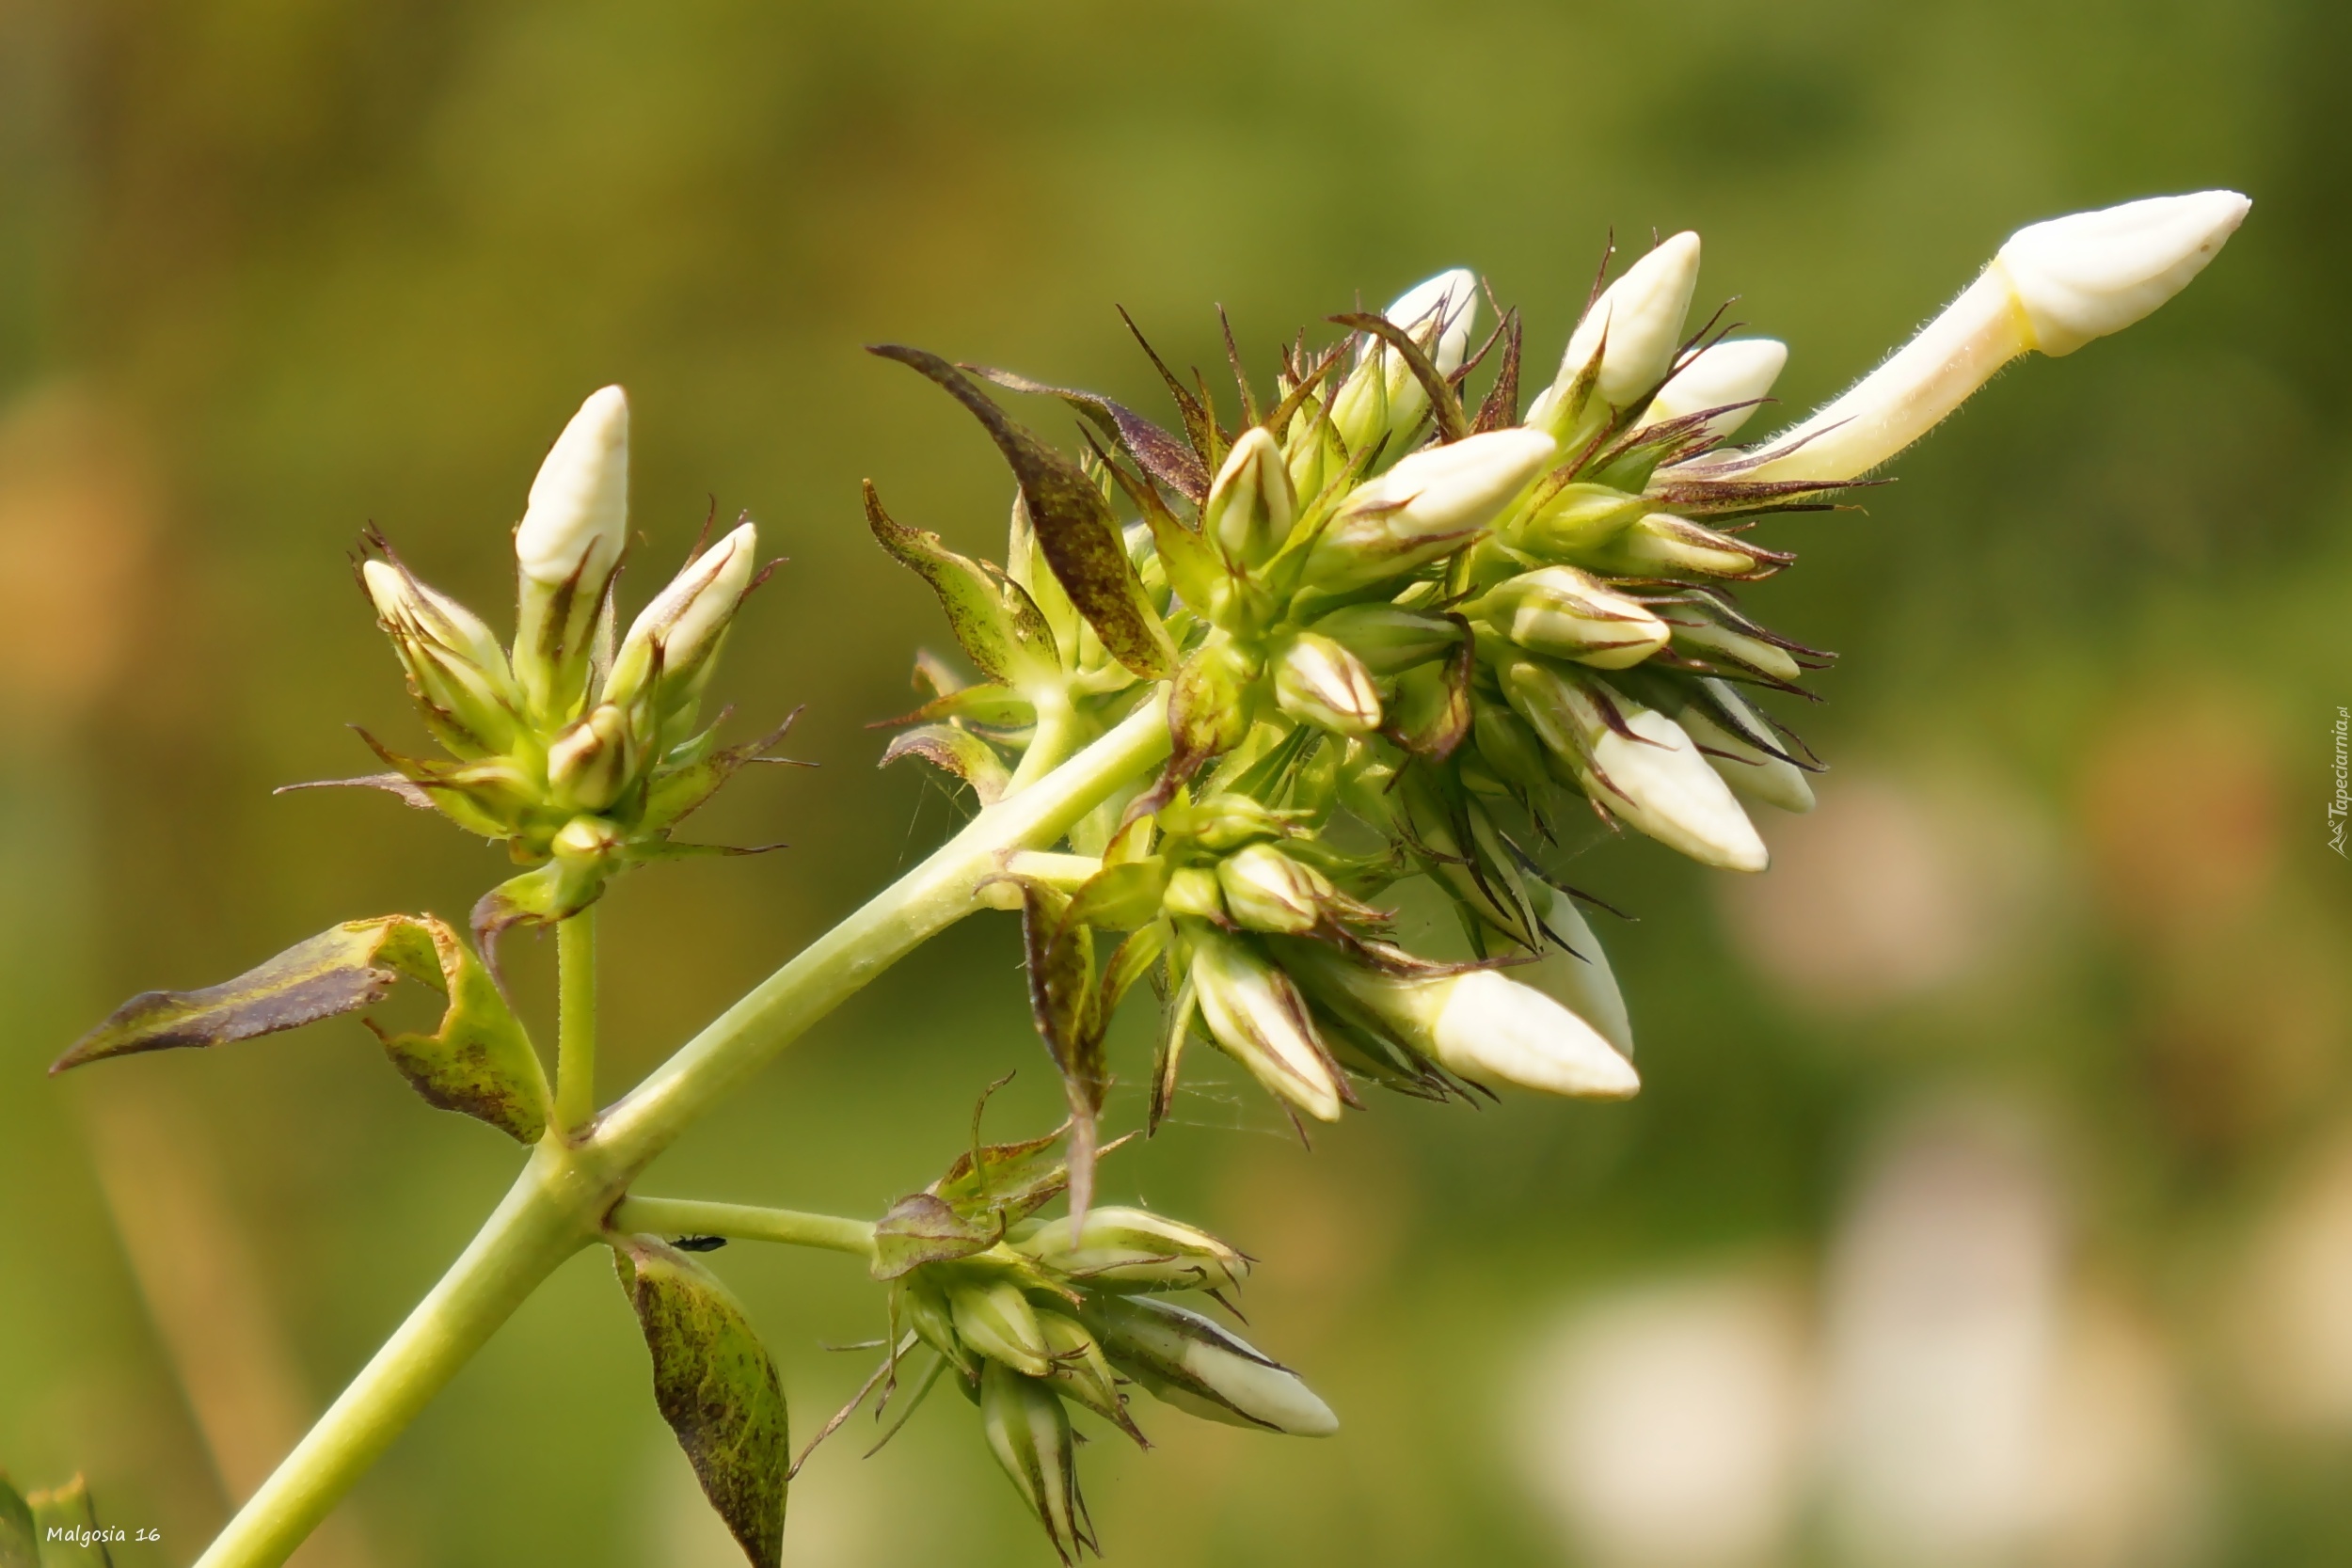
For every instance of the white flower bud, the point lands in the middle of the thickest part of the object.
(2055, 286)
(1251, 505)
(1256, 1014)
(459, 669)
(1736, 370)
(1267, 891)
(1427, 506)
(1487, 1028)
(1749, 757)
(1318, 682)
(1190, 1361)
(1643, 767)
(577, 518)
(590, 762)
(1634, 328)
(1562, 611)
(685, 620)
(1135, 1249)
(1580, 978)
(1382, 396)
(2087, 276)
(1698, 631)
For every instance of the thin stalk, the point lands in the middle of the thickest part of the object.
(677, 1216)
(560, 1201)
(1051, 740)
(575, 1020)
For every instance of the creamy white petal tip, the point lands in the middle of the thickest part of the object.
(579, 512)
(2085, 275)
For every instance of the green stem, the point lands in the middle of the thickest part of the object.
(1049, 742)
(563, 1195)
(549, 1213)
(576, 1021)
(678, 1216)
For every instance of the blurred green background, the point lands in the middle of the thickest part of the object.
(1990, 1197)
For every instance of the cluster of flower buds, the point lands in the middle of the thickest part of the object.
(1029, 1318)
(578, 750)
(1408, 634)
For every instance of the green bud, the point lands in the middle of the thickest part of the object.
(1388, 638)
(1577, 520)
(1316, 681)
(1256, 1016)
(1132, 1249)
(922, 1305)
(585, 838)
(1562, 611)
(1267, 891)
(1194, 891)
(1029, 1433)
(1187, 1360)
(1510, 748)
(1251, 506)
(994, 1318)
(1080, 1369)
(1382, 396)
(589, 763)
(1662, 545)
(1219, 823)
(1704, 629)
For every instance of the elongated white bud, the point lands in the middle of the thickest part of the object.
(1254, 1011)
(1742, 748)
(1134, 1249)
(1736, 370)
(1562, 611)
(2055, 287)
(1319, 682)
(1193, 1363)
(1427, 506)
(1382, 396)
(457, 669)
(577, 518)
(1251, 505)
(1633, 328)
(685, 620)
(1487, 1028)
(1642, 766)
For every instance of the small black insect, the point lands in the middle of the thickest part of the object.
(698, 1243)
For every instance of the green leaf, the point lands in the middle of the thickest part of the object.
(479, 1061)
(994, 621)
(1075, 527)
(19, 1543)
(958, 751)
(716, 1387)
(923, 1227)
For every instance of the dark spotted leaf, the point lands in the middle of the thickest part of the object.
(994, 621)
(923, 1229)
(716, 1387)
(1076, 530)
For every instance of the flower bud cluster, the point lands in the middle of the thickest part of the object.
(1410, 636)
(578, 754)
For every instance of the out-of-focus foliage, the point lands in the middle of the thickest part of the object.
(2042, 1020)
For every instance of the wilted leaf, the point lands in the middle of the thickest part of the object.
(480, 1062)
(998, 707)
(994, 621)
(1014, 1179)
(1163, 456)
(958, 751)
(1075, 527)
(716, 1387)
(556, 891)
(923, 1229)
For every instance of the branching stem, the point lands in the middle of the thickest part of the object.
(565, 1194)
(677, 1216)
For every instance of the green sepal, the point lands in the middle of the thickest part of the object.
(923, 1227)
(998, 707)
(555, 890)
(1076, 530)
(993, 617)
(1014, 1180)
(694, 771)
(717, 1388)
